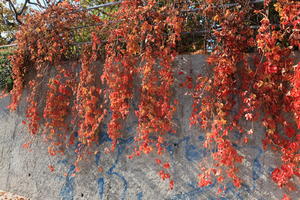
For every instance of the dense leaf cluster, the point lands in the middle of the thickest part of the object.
(6, 81)
(138, 46)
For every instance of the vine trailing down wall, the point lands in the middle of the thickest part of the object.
(138, 45)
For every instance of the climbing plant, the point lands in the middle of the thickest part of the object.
(259, 92)
(138, 44)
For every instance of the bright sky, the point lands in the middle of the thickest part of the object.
(22, 1)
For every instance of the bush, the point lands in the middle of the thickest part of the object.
(6, 81)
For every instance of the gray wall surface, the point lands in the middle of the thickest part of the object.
(25, 171)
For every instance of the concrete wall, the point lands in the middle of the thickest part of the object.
(25, 171)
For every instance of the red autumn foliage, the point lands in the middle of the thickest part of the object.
(139, 50)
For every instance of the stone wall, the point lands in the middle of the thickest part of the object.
(25, 171)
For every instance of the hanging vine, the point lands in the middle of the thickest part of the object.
(215, 97)
(138, 45)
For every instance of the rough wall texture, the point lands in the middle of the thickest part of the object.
(26, 172)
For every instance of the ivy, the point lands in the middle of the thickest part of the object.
(138, 46)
